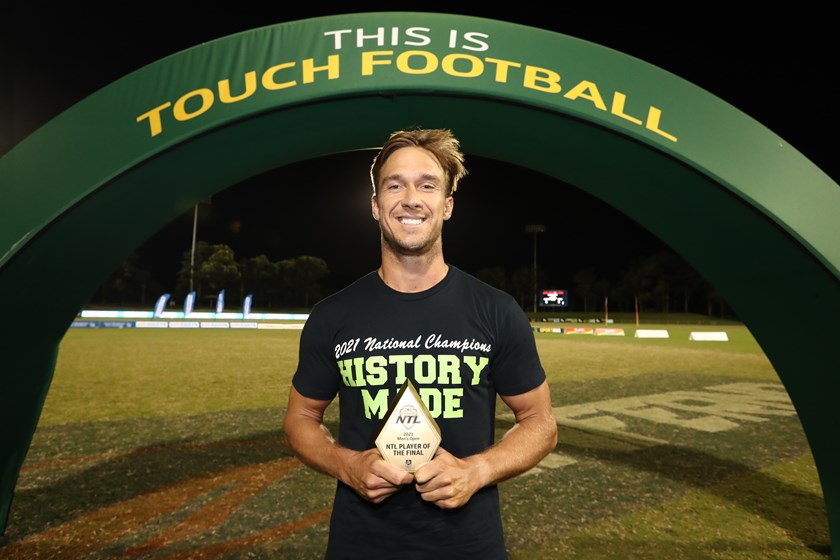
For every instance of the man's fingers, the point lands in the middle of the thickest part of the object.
(428, 471)
(445, 481)
(391, 474)
(375, 479)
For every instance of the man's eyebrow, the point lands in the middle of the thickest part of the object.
(400, 177)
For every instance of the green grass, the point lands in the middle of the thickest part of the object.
(706, 524)
(166, 444)
(114, 374)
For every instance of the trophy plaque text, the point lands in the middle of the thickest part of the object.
(410, 436)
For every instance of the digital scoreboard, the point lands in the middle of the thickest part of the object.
(554, 298)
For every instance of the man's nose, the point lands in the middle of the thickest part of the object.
(410, 197)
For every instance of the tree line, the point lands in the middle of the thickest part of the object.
(293, 283)
(662, 282)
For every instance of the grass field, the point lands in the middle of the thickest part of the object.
(166, 445)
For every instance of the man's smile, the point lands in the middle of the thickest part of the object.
(410, 221)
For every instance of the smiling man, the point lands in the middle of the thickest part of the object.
(461, 342)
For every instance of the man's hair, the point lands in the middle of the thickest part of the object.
(439, 141)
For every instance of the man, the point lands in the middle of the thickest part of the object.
(460, 342)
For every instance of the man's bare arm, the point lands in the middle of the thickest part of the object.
(450, 482)
(364, 471)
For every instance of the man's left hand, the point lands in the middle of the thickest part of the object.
(446, 481)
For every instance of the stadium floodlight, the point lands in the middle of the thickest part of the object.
(535, 229)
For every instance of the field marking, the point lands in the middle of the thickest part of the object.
(713, 409)
(101, 529)
(550, 462)
(110, 455)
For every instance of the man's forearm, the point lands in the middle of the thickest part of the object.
(312, 443)
(523, 446)
(310, 440)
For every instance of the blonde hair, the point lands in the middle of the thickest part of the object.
(440, 142)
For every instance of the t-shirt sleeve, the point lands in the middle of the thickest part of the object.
(316, 376)
(517, 367)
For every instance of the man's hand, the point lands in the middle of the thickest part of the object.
(365, 471)
(372, 477)
(450, 482)
(447, 481)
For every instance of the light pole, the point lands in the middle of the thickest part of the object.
(207, 200)
(535, 229)
(192, 251)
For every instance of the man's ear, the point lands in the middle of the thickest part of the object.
(374, 208)
(448, 206)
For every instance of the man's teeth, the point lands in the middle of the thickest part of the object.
(411, 221)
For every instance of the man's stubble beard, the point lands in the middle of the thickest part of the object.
(401, 250)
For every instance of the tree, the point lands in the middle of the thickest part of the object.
(689, 282)
(636, 283)
(220, 270)
(127, 284)
(259, 276)
(304, 273)
(521, 285)
(661, 278)
(662, 269)
(586, 286)
(495, 276)
(203, 250)
(214, 269)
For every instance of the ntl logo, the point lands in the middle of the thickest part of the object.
(408, 417)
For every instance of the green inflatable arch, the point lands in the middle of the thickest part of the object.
(744, 208)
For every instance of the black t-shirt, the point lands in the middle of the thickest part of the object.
(461, 343)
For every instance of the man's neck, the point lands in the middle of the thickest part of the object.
(411, 274)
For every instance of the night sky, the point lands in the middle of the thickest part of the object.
(785, 83)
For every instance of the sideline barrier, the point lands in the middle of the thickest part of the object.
(579, 330)
(721, 336)
(548, 330)
(120, 314)
(640, 333)
(215, 325)
(280, 326)
(152, 324)
(651, 333)
(574, 320)
(84, 324)
(205, 320)
(182, 325)
(103, 324)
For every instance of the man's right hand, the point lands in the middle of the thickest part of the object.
(365, 471)
(373, 478)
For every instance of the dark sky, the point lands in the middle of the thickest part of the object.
(778, 69)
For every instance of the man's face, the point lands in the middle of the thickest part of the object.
(410, 203)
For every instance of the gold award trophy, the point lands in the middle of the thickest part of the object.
(410, 436)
